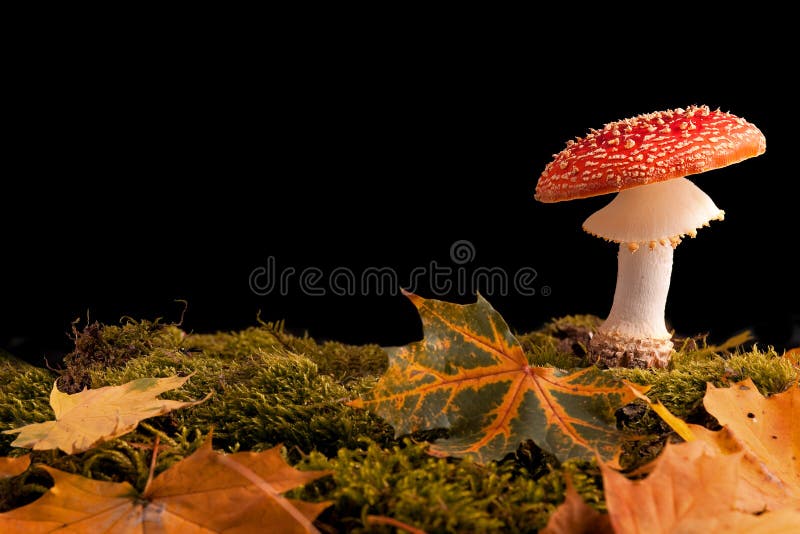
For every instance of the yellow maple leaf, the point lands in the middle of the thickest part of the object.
(94, 416)
(205, 492)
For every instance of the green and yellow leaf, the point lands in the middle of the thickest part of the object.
(470, 375)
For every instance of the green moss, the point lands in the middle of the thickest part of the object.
(9, 363)
(440, 495)
(681, 388)
(342, 361)
(266, 398)
(546, 351)
(24, 397)
(560, 343)
(570, 323)
(272, 387)
(231, 345)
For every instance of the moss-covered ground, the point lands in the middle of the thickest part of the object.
(271, 388)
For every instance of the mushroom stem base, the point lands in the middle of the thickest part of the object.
(614, 350)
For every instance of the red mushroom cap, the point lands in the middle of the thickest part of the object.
(648, 149)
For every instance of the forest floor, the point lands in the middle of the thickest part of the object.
(273, 388)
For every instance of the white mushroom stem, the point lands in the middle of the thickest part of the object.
(635, 335)
(640, 298)
(648, 222)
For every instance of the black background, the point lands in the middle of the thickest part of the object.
(139, 174)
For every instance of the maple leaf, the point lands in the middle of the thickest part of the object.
(691, 489)
(94, 416)
(205, 492)
(765, 431)
(11, 467)
(470, 375)
(574, 516)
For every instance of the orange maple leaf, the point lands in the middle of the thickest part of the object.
(11, 467)
(767, 430)
(94, 416)
(764, 433)
(205, 492)
(574, 516)
(691, 488)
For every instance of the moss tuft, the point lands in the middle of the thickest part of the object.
(98, 346)
(24, 397)
(562, 342)
(267, 398)
(681, 388)
(440, 495)
(344, 362)
(571, 324)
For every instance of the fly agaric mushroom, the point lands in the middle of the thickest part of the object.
(645, 159)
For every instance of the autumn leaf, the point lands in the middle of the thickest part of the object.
(767, 429)
(574, 516)
(94, 416)
(11, 467)
(691, 489)
(766, 433)
(470, 375)
(206, 492)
